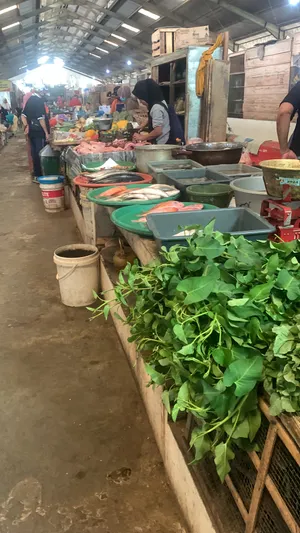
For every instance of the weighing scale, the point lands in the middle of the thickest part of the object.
(284, 213)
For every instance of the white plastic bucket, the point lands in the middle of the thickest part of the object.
(249, 192)
(53, 193)
(77, 273)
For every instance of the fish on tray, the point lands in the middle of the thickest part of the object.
(169, 207)
(114, 191)
(153, 192)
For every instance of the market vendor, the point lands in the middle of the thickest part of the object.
(290, 149)
(150, 94)
(124, 93)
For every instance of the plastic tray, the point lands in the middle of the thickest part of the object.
(126, 218)
(82, 181)
(94, 166)
(157, 168)
(236, 171)
(236, 221)
(182, 179)
(93, 194)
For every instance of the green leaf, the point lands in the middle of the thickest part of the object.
(166, 400)
(275, 404)
(223, 454)
(188, 349)
(95, 295)
(202, 446)
(155, 376)
(183, 394)
(244, 374)
(106, 311)
(288, 406)
(223, 356)
(148, 317)
(254, 419)
(209, 247)
(289, 283)
(238, 302)
(241, 431)
(179, 333)
(198, 289)
(273, 264)
(175, 412)
(261, 292)
(284, 340)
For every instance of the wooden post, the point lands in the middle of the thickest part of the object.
(261, 478)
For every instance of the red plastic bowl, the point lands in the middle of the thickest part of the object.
(81, 181)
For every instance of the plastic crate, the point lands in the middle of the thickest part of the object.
(181, 179)
(238, 170)
(157, 168)
(236, 221)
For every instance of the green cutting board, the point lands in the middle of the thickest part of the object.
(126, 217)
(93, 196)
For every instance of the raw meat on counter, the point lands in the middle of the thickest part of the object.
(119, 145)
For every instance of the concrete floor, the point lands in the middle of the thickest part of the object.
(77, 453)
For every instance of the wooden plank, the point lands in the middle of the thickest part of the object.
(261, 478)
(276, 79)
(256, 92)
(276, 496)
(144, 249)
(219, 100)
(238, 500)
(290, 444)
(178, 471)
(270, 49)
(278, 59)
(266, 71)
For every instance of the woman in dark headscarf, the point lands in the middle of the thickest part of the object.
(150, 94)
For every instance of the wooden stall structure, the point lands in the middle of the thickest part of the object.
(261, 493)
(176, 74)
(267, 79)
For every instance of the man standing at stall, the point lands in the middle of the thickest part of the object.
(289, 148)
(36, 126)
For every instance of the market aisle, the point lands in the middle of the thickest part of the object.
(77, 453)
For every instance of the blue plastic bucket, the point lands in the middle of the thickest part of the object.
(50, 180)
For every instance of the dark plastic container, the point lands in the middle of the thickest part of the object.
(217, 194)
(181, 179)
(236, 221)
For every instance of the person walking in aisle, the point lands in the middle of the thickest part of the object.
(36, 126)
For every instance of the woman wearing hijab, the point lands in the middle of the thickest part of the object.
(124, 93)
(150, 94)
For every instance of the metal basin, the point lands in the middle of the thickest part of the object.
(214, 153)
(103, 124)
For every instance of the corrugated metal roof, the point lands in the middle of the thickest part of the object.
(73, 30)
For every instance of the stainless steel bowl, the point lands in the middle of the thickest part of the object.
(103, 124)
(217, 153)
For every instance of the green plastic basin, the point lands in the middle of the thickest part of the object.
(216, 194)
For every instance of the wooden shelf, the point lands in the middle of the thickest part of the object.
(179, 82)
(164, 84)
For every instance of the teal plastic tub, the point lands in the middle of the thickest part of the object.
(236, 221)
(182, 179)
(158, 168)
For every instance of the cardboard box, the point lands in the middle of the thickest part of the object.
(163, 41)
(198, 36)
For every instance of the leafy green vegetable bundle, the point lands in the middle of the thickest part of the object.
(218, 323)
